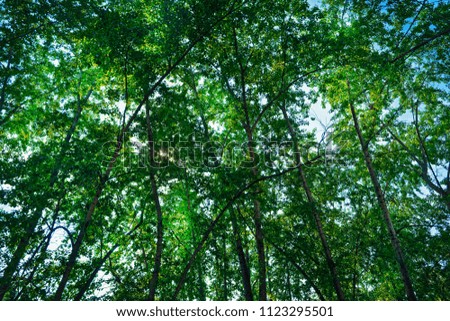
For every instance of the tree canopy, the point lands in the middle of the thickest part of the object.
(224, 150)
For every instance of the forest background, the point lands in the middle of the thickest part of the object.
(172, 150)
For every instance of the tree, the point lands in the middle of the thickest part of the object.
(178, 150)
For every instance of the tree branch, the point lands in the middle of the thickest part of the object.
(420, 45)
(423, 172)
(280, 93)
(213, 223)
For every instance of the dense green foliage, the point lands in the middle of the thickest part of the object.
(171, 150)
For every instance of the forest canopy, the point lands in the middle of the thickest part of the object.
(224, 150)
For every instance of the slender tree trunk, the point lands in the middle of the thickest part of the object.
(225, 267)
(355, 271)
(314, 210)
(201, 282)
(77, 246)
(11, 268)
(257, 218)
(245, 270)
(84, 226)
(382, 203)
(6, 279)
(288, 283)
(92, 276)
(301, 270)
(108, 254)
(42, 248)
(217, 265)
(5, 82)
(261, 253)
(66, 143)
(159, 227)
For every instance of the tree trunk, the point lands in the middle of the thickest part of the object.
(92, 276)
(288, 283)
(66, 143)
(225, 267)
(159, 227)
(201, 282)
(314, 210)
(261, 253)
(257, 218)
(102, 261)
(11, 268)
(42, 248)
(84, 226)
(5, 81)
(6, 280)
(76, 247)
(245, 271)
(301, 270)
(382, 203)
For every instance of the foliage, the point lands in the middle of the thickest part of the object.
(185, 129)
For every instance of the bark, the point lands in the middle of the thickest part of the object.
(382, 203)
(159, 227)
(314, 210)
(245, 270)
